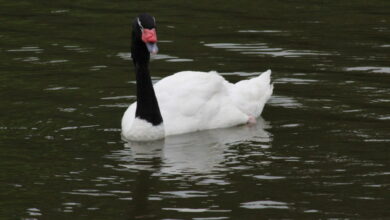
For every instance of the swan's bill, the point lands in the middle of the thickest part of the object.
(152, 47)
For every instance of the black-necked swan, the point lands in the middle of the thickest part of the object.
(186, 101)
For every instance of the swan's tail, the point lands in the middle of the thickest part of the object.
(264, 83)
(251, 95)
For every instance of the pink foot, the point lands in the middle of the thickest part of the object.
(251, 120)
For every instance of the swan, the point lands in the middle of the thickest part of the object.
(186, 101)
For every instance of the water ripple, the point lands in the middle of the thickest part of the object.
(372, 69)
(284, 101)
(264, 204)
(295, 81)
(264, 49)
(34, 212)
(266, 177)
(61, 88)
(195, 210)
(27, 49)
(129, 97)
(185, 194)
(261, 31)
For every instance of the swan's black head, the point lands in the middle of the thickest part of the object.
(144, 32)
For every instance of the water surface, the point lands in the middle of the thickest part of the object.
(320, 150)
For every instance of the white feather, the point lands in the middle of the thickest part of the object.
(192, 101)
(141, 130)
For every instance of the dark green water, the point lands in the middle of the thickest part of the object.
(322, 149)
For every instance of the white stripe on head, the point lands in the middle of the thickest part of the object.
(139, 24)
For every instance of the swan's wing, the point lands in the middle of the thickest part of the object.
(191, 101)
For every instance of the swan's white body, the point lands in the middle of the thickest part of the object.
(192, 101)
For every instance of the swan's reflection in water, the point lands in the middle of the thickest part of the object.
(201, 158)
(198, 152)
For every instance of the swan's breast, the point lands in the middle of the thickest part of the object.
(141, 130)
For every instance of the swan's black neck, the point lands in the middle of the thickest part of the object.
(147, 105)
